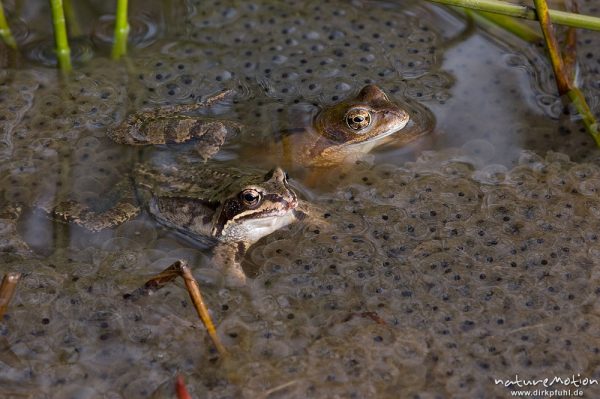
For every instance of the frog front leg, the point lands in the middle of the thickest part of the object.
(228, 256)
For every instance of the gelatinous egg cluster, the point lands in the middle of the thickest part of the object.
(272, 54)
(49, 129)
(426, 280)
(310, 50)
(474, 273)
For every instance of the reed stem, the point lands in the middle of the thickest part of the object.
(63, 52)
(121, 30)
(509, 24)
(564, 82)
(513, 10)
(72, 23)
(5, 30)
(181, 269)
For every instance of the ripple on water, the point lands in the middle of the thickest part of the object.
(43, 51)
(143, 30)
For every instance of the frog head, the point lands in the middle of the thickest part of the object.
(368, 117)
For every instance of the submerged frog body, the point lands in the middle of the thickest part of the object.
(228, 206)
(171, 125)
(349, 128)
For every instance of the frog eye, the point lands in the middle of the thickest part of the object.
(358, 118)
(250, 197)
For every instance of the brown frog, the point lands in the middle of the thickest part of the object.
(229, 207)
(347, 129)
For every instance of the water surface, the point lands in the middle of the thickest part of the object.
(469, 255)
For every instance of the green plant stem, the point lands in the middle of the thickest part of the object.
(501, 7)
(5, 30)
(121, 30)
(512, 25)
(72, 23)
(578, 100)
(63, 52)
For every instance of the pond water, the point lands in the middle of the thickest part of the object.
(469, 255)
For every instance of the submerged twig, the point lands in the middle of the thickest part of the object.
(180, 388)
(5, 30)
(7, 290)
(63, 52)
(513, 10)
(121, 30)
(278, 388)
(180, 268)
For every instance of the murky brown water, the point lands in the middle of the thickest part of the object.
(437, 268)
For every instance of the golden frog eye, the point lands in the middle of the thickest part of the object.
(358, 118)
(250, 197)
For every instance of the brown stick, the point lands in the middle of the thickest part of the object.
(570, 50)
(7, 290)
(562, 81)
(194, 291)
(180, 268)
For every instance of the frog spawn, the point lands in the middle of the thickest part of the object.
(528, 279)
(485, 292)
(97, 95)
(398, 292)
(297, 50)
(40, 132)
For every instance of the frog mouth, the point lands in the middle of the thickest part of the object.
(262, 226)
(403, 119)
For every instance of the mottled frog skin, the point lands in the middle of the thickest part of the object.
(226, 206)
(171, 125)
